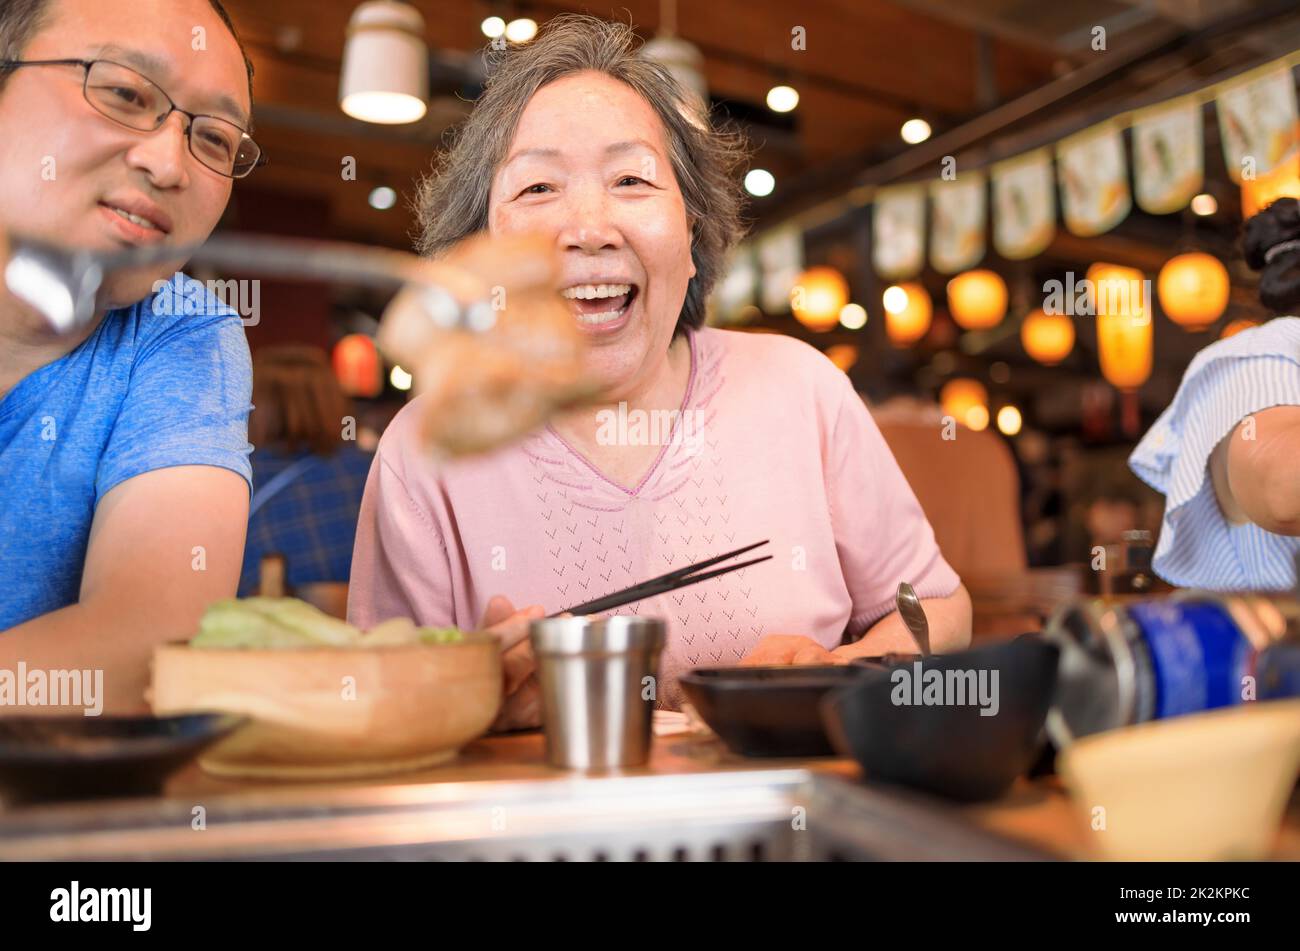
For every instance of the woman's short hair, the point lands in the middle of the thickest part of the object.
(452, 202)
(297, 402)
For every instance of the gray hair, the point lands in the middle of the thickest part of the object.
(452, 201)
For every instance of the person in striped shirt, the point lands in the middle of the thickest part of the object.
(1226, 452)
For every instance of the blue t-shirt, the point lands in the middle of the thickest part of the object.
(153, 386)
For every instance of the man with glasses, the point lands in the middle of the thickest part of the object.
(124, 475)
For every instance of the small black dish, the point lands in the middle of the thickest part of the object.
(948, 748)
(80, 757)
(767, 711)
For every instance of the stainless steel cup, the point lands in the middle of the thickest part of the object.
(598, 678)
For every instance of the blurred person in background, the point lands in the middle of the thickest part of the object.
(308, 472)
(1226, 452)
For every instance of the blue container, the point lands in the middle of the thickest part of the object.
(1127, 663)
(1199, 658)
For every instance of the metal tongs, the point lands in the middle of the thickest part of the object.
(64, 284)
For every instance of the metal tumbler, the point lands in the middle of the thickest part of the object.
(599, 680)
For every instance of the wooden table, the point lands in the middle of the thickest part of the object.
(1036, 813)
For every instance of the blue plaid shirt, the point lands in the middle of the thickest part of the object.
(312, 521)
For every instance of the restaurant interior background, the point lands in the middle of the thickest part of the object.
(922, 172)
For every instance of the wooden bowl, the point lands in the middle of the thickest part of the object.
(335, 712)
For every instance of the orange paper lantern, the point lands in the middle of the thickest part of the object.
(966, 401)
(1048, 338)
(1124, 331)
(908, 311)
(843, 355)
(1281, 182)
(1193, 290)
(818, 297)
(977, 299)
(1237, 326)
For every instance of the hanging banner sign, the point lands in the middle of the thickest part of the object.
(958, 212)
(1168, 156)
(1094, 180)
(1024, 205)
(898, 232)
(1257, 122)
(780, 261)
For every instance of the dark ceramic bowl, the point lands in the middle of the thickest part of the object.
(767, 711)
(922, 724)
(80, 757)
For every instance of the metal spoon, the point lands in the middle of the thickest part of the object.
(909, 606)
(63, 284)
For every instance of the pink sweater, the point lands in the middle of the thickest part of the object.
(771, 442)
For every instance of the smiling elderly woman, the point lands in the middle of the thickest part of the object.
(578, 138)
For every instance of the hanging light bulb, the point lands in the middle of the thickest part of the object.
(853, 316)
(521, 30)
(385, 76)
(915, 131)
(400, 379)
(383, 198)
(782, 98)
(759, 182)
(1009, 420)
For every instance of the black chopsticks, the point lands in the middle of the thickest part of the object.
(665, 583)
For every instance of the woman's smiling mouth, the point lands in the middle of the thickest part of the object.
(600, 306)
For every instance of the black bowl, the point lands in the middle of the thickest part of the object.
(901, 736)
(80, 757)
(767, 711)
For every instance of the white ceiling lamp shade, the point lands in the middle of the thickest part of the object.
(683, 60)
(385, 64)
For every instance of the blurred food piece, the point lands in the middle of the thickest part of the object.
(271, 623)
(521, 362)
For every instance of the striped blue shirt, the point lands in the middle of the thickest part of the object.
(1226, 382)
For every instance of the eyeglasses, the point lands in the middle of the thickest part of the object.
(120, 93)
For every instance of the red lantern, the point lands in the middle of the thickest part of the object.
(357, 366)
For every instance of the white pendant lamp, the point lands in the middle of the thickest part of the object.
(385, 64)
(683, 60)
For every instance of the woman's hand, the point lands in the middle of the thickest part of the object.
(789, 649)
(523, 697)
